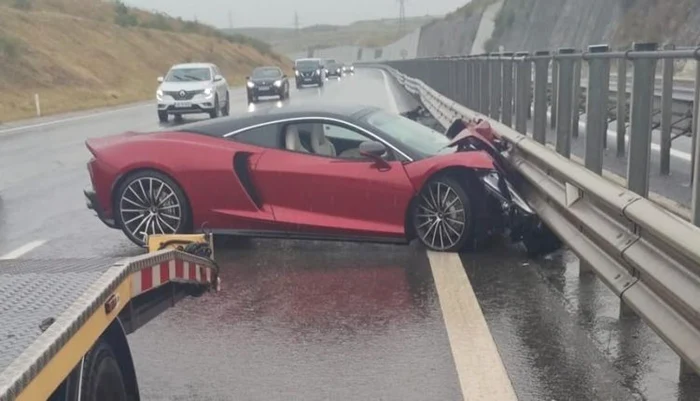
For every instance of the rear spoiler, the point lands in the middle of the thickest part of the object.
(95, 144)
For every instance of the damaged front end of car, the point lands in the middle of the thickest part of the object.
(512, 215)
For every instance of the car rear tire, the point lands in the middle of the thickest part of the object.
(163, 116)
(217, 108)
(102, 376)
(442, 215)
(150, 202)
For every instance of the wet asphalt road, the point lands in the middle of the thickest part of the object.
(326, 321)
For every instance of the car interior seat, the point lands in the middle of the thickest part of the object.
(319, 143)
(292, 140)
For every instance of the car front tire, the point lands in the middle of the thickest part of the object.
(226, 110)
(215, 113)
(150, 202)
(442, 216)
(163, 116)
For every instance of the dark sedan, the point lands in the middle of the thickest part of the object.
(267, 81)
(334, 69)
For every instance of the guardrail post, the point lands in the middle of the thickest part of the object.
(457, 80)
(507, 107)
(666, 112)
(522, 99)
(575, 112)
(596, 108)
(643, 84)
(444, 77)
(496, 81)
(696, 120)
(539, 131)
(565, 97)
(476, 79)
(555, 93)
(485, 85)
(695, 201)
(463, 74)
(467, 77)
(621, 105)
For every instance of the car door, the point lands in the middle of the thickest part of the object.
(323, 193)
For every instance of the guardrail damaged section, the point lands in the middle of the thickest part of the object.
(646, 255)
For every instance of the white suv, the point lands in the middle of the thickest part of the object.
(192, 88)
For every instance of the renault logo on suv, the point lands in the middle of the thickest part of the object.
(182, 93)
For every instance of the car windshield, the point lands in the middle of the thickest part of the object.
(416, 137)
(188, 74)
(270, 72)
(307, 64)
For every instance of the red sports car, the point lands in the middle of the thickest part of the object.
(327, 172)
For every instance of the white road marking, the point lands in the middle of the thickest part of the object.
(22, 250)
(482, 375)
(69, 119)
(392, 100)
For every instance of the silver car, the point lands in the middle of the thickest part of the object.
(191, 89)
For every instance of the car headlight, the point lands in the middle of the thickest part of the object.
(318, 72)
(250, 84)
(208, 91)
(352, 68)
(326, 70)
(159, 94)
(338, 70)
(278, 83)
(296, 73)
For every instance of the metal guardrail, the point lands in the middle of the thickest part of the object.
(647, 256)
(673, 101)
(514, 79)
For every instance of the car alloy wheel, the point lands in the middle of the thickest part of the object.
(442, 215)
(151, 204)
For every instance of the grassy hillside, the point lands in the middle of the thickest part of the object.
(372, 33)
(79, 54)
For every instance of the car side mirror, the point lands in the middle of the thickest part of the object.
(374, 150)
(218, 78)
(160, 79)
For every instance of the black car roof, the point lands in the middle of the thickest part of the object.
(221, 126)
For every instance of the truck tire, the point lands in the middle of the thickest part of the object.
(102, 376)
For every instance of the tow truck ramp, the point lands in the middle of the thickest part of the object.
(54, 311)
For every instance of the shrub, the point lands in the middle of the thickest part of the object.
(159, 21)
(123, 17)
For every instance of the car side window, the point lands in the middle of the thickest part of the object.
(266, 136)
(327, 139)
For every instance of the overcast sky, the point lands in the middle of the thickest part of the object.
(247, 13)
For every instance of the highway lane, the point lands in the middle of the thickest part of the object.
(317, 320)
